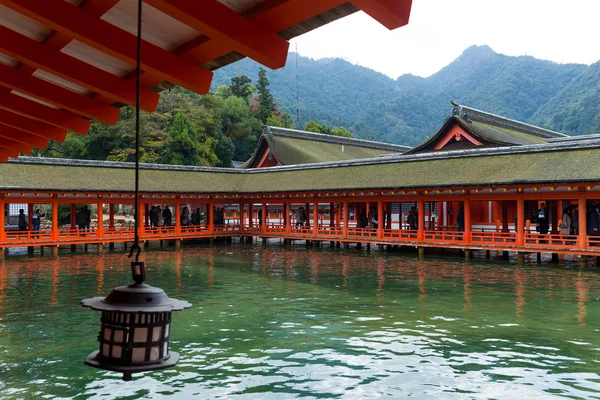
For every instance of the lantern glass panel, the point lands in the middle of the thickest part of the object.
(140, 335)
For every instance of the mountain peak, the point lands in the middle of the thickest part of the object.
(476, 53)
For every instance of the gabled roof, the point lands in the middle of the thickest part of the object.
(292, 147)
(487, 130)
(560, 163)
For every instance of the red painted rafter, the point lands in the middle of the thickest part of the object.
(280, 16)
(54, 94)
(6, 132)
(5, 153)
(232, 30)
(41, 56)
(14, 145)
(390, 13)
(59, 118)
(32, 126)
(101, 35)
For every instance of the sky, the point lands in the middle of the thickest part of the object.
(563, 31)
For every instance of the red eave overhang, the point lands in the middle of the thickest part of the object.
(64, 63)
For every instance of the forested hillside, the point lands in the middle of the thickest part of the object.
(335, 97)
(411, 108)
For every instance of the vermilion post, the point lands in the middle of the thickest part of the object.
(316, 218)
(2, 222)
(582, 210)
(54, 217)
(100, 231)
(467, 215)
(520, 221)
(421, 218)
(380, 219)
(345, 217)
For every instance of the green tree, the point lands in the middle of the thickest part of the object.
(266, 104)
(282, 120)
(341, 131)
(317, 127)
(241, 86)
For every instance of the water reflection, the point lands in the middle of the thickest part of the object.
(273, 322)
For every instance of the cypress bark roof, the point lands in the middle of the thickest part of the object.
(490, 129)
(567, 162)
(292, 147)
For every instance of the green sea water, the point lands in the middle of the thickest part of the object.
(279, 323)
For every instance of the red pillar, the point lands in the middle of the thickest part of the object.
(100, 213)
(54, 217)
(379, 219)
(582, 210)
(520, 221)
(265, 216)
(315, 218)
(467, 215)
(142, 207)
(177, 216)
(144, 212)
(210, 214)
(421, 220)
(29, 214)
(346, 217)
(251, 214)
(286, 214)
(2, 220)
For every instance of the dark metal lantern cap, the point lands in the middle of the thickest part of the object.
(136, 298)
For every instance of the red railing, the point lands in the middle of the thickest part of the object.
(494, 237)
(362, 232)
(275, 228)
(486, 238)
(13, 236)
(444, 236)
(405, 234)
(551, 240)
(330, 231)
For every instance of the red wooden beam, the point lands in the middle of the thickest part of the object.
(390, 13)
(14, 145)
(5, 153)
(103, 36)
(54, 94)
(60, 118)
(43, 57)
(280, 16)
(233, 31)
(7, 132)
(32, 126)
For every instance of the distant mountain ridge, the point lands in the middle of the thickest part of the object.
(561, 97)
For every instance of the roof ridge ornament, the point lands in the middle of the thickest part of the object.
(459, 111)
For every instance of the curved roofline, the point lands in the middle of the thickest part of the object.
(400, 158)
(322, 137)
(508, 123)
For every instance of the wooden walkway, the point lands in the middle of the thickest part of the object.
(484, 239)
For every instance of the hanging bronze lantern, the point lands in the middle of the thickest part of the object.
(135, 327)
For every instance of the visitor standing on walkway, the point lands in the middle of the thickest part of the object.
(36, 219)
(543, 224)
(22, 220)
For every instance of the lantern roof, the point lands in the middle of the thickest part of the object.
(136, 298)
